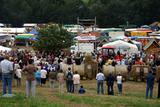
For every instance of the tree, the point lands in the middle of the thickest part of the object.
(53, 38)
(15, 12)
(109, 13)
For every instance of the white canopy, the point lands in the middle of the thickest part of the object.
(2, 48)
(123, 46)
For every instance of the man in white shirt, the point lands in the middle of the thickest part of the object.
(119, 83)
(7, 71)
(100, 81)
(43, 76)
(18, 73)
(76, 81)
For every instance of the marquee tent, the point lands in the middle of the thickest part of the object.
(33, 31)
(2, 48)
(123, 46)
(24, 36)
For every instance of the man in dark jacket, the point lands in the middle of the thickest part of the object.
(150, 84)
(159, 88)
(110, 82)
(69, 80)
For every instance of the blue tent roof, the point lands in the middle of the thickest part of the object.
(33, 31)
(34, 38)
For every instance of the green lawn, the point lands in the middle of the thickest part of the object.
(110, 101)
(21, 101)
(133, 96)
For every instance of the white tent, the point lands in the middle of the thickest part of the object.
(2, 48)
(122, 46)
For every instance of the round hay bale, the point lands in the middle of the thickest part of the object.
(158, 73)
(122, 69)
(66, 66)
(94, 68)
(135, 72)
(88, 58)
(88, 70)
(145, 70)
(79, 69)
(107, 69)
(140, 72)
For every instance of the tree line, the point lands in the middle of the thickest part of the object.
(109, 13)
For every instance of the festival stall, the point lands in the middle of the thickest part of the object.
(122, 46)
(2, 48)
(23, 39)
(151, 46)
(27, 39)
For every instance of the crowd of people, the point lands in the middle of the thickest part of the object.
(40, 67)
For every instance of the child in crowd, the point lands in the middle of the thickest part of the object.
(81, 90)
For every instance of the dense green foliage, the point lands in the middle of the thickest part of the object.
(108, 12)
(53, 38)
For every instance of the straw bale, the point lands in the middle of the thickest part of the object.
(158, 73)
(107, 69)
(79, 69)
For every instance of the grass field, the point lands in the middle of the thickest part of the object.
(133, 96)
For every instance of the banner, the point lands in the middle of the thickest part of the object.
(85, 38)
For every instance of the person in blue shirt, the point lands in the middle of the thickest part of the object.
(150, 84)
(81, 90)
(38, 76)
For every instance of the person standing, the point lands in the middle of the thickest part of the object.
(18, 73)
(76, 81)
(110, 83)
(150, 84)
(1, 58)
(38, 76)
(100, 81)
(69, 80)
(52, 79)
(43, 76)
(119, 83)
(30, 70)
(159, 88)
(7, 71)
(60, 78)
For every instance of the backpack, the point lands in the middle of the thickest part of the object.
(69, 76)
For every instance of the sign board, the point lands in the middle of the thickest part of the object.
(138, 33)
(83, 47)
(86, 38)
(86, 47)
(114, 35)
(12, 30)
